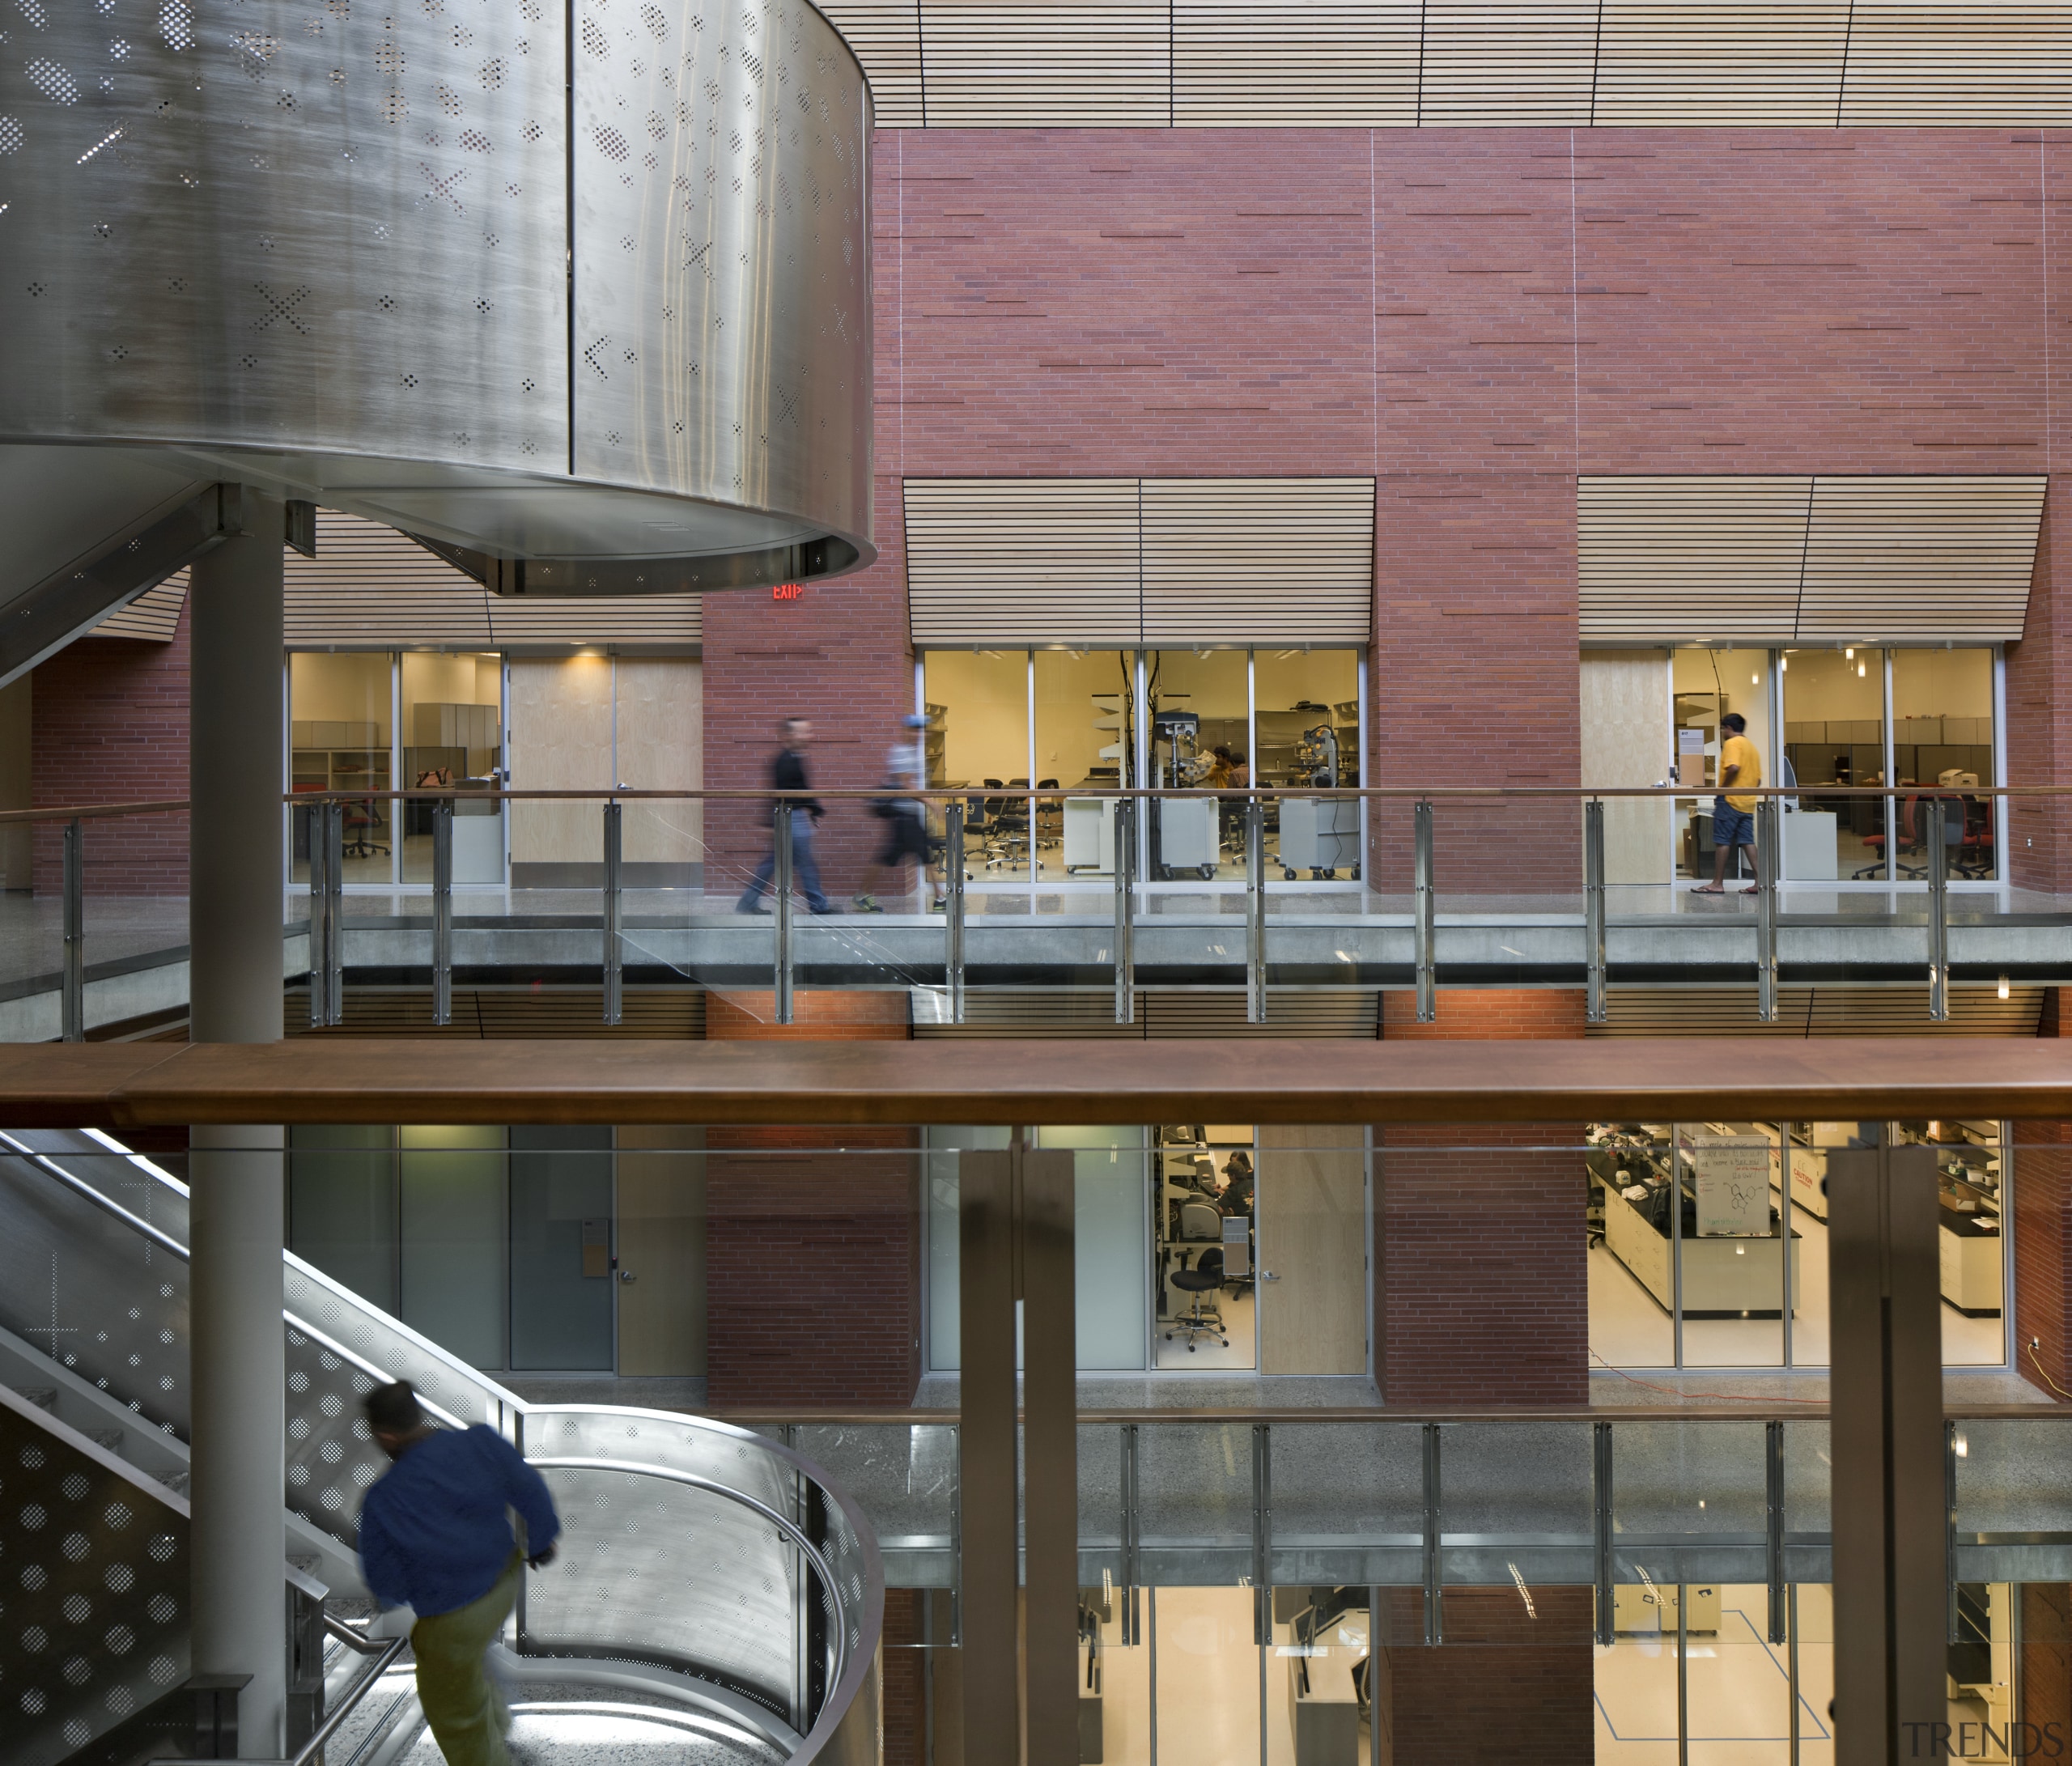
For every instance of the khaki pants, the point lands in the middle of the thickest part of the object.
(461, 1702)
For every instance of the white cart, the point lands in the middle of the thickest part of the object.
(1320, 835)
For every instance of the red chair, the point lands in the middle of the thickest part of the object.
(1910, 841)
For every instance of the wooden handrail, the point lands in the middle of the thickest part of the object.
(312, 1080)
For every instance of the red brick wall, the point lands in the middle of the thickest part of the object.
(905, 1723)
(1483, 1290)
(2045, 1679)
(1504, 1685)
(109, 725)
(814, 1235)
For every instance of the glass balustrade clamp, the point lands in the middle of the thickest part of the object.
(1593, 1010)
(1768, 868)
(1938, 911)
(334, 913)
(780, 834)
(1254, 911)
(1427, 971)
(1125, 861)
(318, 824)
(442, 912)
(614, 952)
(73, 1010)
(952, 930)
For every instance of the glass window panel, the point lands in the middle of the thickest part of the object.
(1195, 1498)
(1208, 1676)
(943, 1146)
(454, 1256)
(1199, 704)
(1708, 685)
(1731, 1253)
(1316, 1678)
(341, 1206)
(1110, 1243)
(1807, 1145)
(1970, 1159)
(561, 1248)
(1631, 1322)
(338, 740)
(453, 735)
(977, 735)
(1204, 1218)
(1085, 728)
(1834, 727)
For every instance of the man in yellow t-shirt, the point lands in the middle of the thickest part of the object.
(1734, 813)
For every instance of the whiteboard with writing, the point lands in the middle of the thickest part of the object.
(1730, 1175)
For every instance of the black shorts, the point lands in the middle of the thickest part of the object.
(904, 837)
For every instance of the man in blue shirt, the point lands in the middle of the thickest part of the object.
(435, 1536)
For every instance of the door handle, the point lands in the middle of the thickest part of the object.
(1267, 1274)
(627, 1275)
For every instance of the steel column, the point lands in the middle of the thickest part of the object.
(1593, 909)
(73, 1001)
(442, 911)
(1890, 1520)
(780, 835)
(1428, 970)
(953, 923)
(988, 1570)
(1939, 912)
(1050, 1455)
(1125, 910)
(614, 954)
(1254, 911)
(1768, 868)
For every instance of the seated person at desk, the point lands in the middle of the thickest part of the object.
(1236, 1194)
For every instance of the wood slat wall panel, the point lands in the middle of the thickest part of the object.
(1920, 560)
(154, 614)
(1161, 1015)
(1713, 63)
(886, 36)
(1300, 64)
(1259, 560)
(665, 1013)
(1508, 66)
(369, 587)
(1811, 1011)
(1023, 560)
(1957, 66)
(1662, 560)
(1490, 63)
(1047, 63)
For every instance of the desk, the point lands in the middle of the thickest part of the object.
(1089, 835)
(1723, 1278)
(1811, 852)
(1969, 1252)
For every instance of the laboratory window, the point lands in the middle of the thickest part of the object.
(452, 738)
(1689, 1259)
(339, 723)
(1706, 686)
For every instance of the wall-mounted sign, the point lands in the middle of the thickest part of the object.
(787, 591)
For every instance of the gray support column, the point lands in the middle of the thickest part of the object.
(1890, 1525)
(240, 1544)
(989, 1589)
(1050, 1456)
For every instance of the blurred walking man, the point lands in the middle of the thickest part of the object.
(434, 1536)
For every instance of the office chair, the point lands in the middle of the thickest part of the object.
(1205, 1278)
(364, 824)
(1910, 841)
(1049, 819)
(1975, 854)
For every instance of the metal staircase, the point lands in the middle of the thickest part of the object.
(708, 1579)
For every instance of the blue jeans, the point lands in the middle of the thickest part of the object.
(1732, 827)
(804, 870)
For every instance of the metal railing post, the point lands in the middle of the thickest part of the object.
(1601, 1504)
(1594, 908)
(334, 913)
(442, 912)
(1434, 1628)
(780, 834)
(614, 953)
(1125, 910)
(1768, 869)
(1938, 913)
(1428, 967)
(1773, 1528)
(73, 1003)
(319, 901)
(1262, 1533)
(1254, 911)
(953, 927)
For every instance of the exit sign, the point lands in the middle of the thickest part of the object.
(788, 591)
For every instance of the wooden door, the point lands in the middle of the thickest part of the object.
(1311, 1203)
(661, 1247)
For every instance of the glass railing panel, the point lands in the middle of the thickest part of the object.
(1348, 1503)
(904, 1477)
(1688, 1501)
(1099, 1452)
(1808, 1493)
(1516, 1502)
(650, 1570)
(2014, 1511)
(135, 916)
(1196, 1493)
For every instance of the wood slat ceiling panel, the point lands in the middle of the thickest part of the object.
(1920, 559)
(1817, 1012)
(1023, 560)
(1259, 560)
(1512, 66)
(886, 36)
(1161, 1015)
(1667, 559)
(1301, 64)
(153, 615)
(1955, 65)
(1047, 63)
(1706, 63)
(372, 588)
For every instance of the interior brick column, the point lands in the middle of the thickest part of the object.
(1507, 1684)
(1483, 1294)
(2040, 710)
(2042, 1172)
(905, 1720)
(813, 1237)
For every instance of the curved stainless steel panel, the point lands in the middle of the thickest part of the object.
(328, 247)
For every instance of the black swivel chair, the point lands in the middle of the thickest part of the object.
(1205, 1278)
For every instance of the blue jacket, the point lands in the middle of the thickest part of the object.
(434, 1534)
